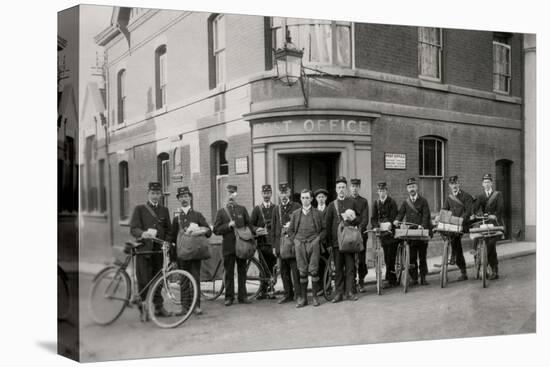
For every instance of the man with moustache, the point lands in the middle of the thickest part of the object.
(384, 210)
(280, 224)
(186, 217)
(306, 231)
(232, 216)
(261, 219)
(321, 196)
(363, 207)
(344, 262)
(415, 209)
(491, 202)
(459, 203)
(147, 219)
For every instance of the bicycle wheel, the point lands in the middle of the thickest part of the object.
(444, 265)
(179, 293)
(212, 287)
(109, 295)
(63, 296)
(399, 263)
(329, 284)
(477, 261)
(406, 263)
(378, 269)
(255, 275)
(484, 264)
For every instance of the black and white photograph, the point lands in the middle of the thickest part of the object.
(231, 182)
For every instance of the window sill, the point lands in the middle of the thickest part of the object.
(96, 215)
(124, 222)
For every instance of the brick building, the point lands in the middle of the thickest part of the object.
(192, 99)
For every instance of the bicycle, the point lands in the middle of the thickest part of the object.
(329, 277)
(378, 256)
(484, 231)
(113, 290)
(403, 258)
(257, 272)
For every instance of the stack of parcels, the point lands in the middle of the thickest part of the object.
(448, 222)
(412, 234)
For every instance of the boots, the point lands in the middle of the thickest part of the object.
(423, 280)
(494, 273)
(302, 297)
(462, 276)
(315, 290)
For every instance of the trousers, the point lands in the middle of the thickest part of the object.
(229, 277)
(362, 269)
(419, 250)
(270, 261)
(307, 259)
(389, 245)
(147, 266)
(194, 268)
(456, 245)
(290, 277)
(345, 271)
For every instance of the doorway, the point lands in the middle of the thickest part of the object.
(503, 183)
(313, 171)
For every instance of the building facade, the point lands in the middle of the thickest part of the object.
(194, 99)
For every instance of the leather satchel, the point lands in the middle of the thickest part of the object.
(349, 237)
(189, 247)
(245, 244)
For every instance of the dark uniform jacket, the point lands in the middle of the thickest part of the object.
(383, 212)
(278, 222)
(420, 216)
(494, 204)
(332, 219)
(363, 207)
(318, 223)
(192, 216)
(460, 206)
(142, 220)
(221, 226)
(259, 213)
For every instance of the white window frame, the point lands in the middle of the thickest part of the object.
(125, 193)
(165, 175)
(439, 55)
(163, 78)
(334, 41)
(442, 142)
(509, 76)
(121, 97)
(219, 44)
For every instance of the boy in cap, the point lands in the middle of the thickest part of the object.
(459, 203)
(344, 262)
(363, 207)
(261, 219)
(384, 210)
(150, 220)
(307, 230)
(187, 218)
(491, 202)
(415, 209)
(232, 216)
(280, 224)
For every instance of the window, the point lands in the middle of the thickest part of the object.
(102, 188)
(429, 52)
(432, 170)
(219, 169)
(121, 95)
(502, 56)
(218, 30)
(324, 42)
(163, 174)
(160, 76)
(124, 184)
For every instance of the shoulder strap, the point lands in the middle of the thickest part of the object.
(411, 205)
(456, 200)
(152, 212)
(262, 214)
(491, 199)
(228, 214)
(280, 214)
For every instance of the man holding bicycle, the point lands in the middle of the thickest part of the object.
(261, 219)
(384, 211)
(232, 216)
(280, 224)
(416, 210)
(148, 221)
(491, 202)
(459, 203)
(307, 230)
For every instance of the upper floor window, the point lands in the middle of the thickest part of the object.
(429, 52)
(160, 76)
(218, 32)
(502, 56)
(121, 95)
(324, 42)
